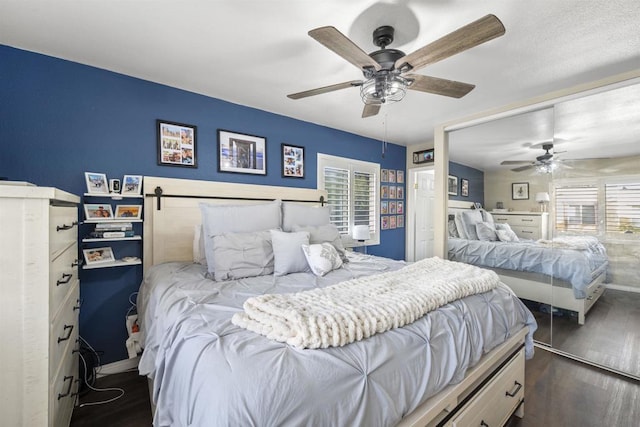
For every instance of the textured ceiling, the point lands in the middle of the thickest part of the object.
(256, 52)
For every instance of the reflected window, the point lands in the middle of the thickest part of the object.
(623, 208)
(577, 209)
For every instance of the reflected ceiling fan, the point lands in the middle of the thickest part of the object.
(385, 71)
(544, 162)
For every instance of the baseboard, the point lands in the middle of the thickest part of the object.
(118, 367)
(623, 288)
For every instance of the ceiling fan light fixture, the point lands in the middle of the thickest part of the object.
(547, 168)
(384, 89)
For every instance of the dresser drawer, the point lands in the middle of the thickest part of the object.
(523, 220)
(63, 391)
(63, 332)
(496, 401)
(526, 232)
(63, 273)
(63, 228)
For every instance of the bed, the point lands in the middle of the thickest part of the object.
(567, 272)
(459, 363)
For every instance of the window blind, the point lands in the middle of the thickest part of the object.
(336, 183)
(622, 208)
(577, 208)
(364, 206)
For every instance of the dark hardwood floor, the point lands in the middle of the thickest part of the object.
(559, 392)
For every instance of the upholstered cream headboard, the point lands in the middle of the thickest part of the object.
(171, 210)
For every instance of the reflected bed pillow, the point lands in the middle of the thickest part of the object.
(220, 219)
(238, 255)
(287, 252)
(467, 223)
(303, 215)
(505, 233)
(325, 233)
(322, 258)
(486, 232)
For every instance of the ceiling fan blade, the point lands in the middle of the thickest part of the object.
(370, 110)
(343, 46)
(325, 89)
(471, 35)
(516, 162)
(439, 86)
(523, 168)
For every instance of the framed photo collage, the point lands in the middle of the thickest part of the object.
(391, 199)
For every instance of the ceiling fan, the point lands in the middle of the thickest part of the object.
(385, 70)
(544, 161)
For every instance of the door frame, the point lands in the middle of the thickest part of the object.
(410, 215)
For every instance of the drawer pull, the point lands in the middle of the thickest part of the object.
(483, 424)
(78, 304)
(66, 277)
(75, 263)
(68, 392)
(527, 220)
(589, 298)
(69, 329)
(64, 227)
(513, 393)
(526, 231)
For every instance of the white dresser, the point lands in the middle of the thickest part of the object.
(39, 305)
(527, 225)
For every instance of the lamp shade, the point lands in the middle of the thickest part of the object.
(361, 232)
(542, 197)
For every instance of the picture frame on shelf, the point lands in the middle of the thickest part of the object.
(128, 212)
(96, 183)
(400, 207)
(176, 144)
(452, 187)
(98, 211)
(464, 187)
(392, 175)
(392, 207)
(131, 185)
(392, 192)
(384, 207)
(98, 255)
(384, 191)
(384, 175)
(292, 161)
(423, 156)
(400, 221)
(384, 222)
(241, 153)
(392, 222)
(400, 177)
(400, 192)
(520, 191)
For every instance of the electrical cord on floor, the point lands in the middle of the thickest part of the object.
(89, 383)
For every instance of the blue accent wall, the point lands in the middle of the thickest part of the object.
(476, 182)
(59, 119)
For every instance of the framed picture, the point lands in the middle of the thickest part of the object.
(400, 192)
(96, 183)
(128, 212)
(240, 153)
(464, 187)
(392, 222)
(400, 221)
(384, 191)
(392, 208)
(520, 191)
(292, 161)
(98, 211)
(132, 185)
(400, 207)
(384, 175)
(98, 255)
(400, 177)
(384, 207)
(384, 220)
(176, 144)
(453, 185)
(392, 175)
(424, 156)
(392, 191)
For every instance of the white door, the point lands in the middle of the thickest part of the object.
(420, 215)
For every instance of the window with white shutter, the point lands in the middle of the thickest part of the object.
(352, 193)
(622, 209)
(576, 208)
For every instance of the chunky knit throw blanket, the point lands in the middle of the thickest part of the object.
(359, 308)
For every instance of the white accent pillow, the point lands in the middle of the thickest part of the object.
(505, 235)
(220, 219)
(322, 258)
(486, 232)
(287, 252)
(303, 215)
(325, 233)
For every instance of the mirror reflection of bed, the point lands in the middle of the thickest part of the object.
(594, 189)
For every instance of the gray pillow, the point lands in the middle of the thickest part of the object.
(303, 215)
(238, 255)
(505, 235)
(486, 231)
(325, 233)
(287, 252)
(453, 230)
(487, 217)
(220, 219)
(469, 220)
